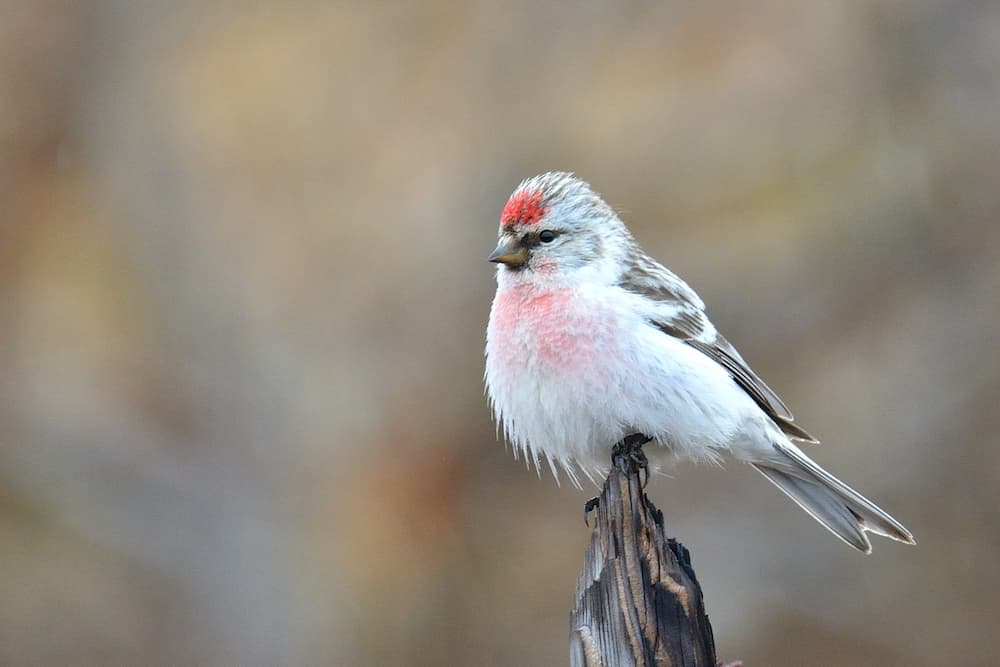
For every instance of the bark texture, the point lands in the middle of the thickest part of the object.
(638, 602)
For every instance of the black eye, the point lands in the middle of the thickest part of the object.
(547, 236)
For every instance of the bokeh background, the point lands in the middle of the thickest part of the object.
(243, 297)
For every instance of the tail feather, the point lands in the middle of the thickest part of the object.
(841, 509)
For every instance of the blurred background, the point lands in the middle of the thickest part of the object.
(243, 294)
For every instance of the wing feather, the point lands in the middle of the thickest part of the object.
(680, 313)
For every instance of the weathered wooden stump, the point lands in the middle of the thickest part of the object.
(638, 602)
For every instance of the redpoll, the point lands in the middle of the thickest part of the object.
(590, 341)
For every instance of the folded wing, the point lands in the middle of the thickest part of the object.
(680, 313)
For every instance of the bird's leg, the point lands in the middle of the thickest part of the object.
(627, 454)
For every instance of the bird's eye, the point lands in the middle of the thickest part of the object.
(547, 236)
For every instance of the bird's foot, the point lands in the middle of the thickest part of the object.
(589, 507)
(628, 456)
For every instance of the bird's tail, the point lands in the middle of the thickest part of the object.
(844, 511)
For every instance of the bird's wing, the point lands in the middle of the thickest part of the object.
(680, 312)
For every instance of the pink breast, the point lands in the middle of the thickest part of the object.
(557, 327)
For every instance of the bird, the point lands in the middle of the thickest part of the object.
(592, 343)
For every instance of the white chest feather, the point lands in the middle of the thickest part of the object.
(570, 372)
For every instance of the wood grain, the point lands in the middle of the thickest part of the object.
(638, 602)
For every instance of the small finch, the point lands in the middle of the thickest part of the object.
(593, 343)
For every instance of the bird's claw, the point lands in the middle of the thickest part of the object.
(589, 507)
(628, 455)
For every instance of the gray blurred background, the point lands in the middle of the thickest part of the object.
(243, 297)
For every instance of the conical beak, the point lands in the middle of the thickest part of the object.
(509, 252)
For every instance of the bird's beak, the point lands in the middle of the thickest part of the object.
(509, 252)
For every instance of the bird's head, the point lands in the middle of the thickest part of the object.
(555, 228)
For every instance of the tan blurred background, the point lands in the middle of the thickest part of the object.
(243, 296)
